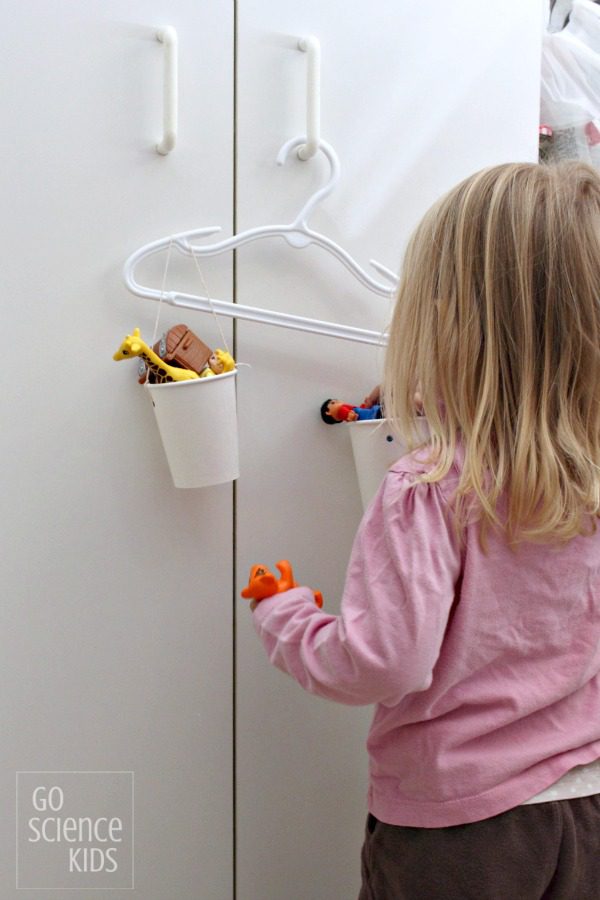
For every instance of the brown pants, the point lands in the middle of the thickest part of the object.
(541, 851)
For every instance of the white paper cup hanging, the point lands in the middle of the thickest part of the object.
(197, 421)
(193, 394)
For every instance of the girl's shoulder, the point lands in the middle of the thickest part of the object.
(410, 468)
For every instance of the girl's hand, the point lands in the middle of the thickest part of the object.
(372, 398)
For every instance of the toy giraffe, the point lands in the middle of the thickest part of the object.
(133, 345)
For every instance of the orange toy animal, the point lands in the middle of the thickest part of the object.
(263, 583)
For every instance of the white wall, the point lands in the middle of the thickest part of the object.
(125, 643)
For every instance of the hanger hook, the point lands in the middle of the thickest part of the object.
(327, 188)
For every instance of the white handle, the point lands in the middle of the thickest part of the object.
(312, 46)
(168, 36)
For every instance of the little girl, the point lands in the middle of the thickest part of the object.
(471, 609)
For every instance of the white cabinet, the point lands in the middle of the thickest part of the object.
(119, 603)
(116, 588)
(414, 98)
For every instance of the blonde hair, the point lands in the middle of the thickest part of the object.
(497, 324)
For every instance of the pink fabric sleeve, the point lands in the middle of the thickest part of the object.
(399, 590)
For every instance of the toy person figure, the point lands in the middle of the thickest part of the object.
(218, 362)
(334, 411)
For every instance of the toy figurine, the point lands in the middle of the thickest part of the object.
(133, 345)
(218, 362)
(181, 348)
(263, 584)
(334, 411)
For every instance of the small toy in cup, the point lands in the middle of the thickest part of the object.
(182, 349)
(334, 411)
(162, 372)
(218, 362)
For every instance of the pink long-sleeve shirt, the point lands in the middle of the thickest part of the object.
(484, 669)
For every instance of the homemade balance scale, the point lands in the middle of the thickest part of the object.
(188, 410)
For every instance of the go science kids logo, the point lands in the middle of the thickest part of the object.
(74, 830)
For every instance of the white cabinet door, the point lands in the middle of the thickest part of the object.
(415, 96)
(116, 587)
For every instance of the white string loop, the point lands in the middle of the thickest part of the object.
(204, 288)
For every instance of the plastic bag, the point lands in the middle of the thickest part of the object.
(570, 86)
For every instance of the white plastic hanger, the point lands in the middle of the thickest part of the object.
(298, 234)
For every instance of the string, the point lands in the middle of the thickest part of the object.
(205, 289)
(162, 292)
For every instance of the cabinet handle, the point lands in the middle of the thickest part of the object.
(168, 36)
(312, 47)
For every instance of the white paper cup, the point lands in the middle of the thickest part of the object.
(375, 449)
(197, 421)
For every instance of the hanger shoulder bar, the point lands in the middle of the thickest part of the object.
(271, 317)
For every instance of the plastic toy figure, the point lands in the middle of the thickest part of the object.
(218, 362)
(334, 411)
(263, 584)
(181, 348)
(133, 345)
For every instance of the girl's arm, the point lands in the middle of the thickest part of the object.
(399, 590)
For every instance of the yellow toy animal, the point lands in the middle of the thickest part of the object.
(133, 345)
(263, 584)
